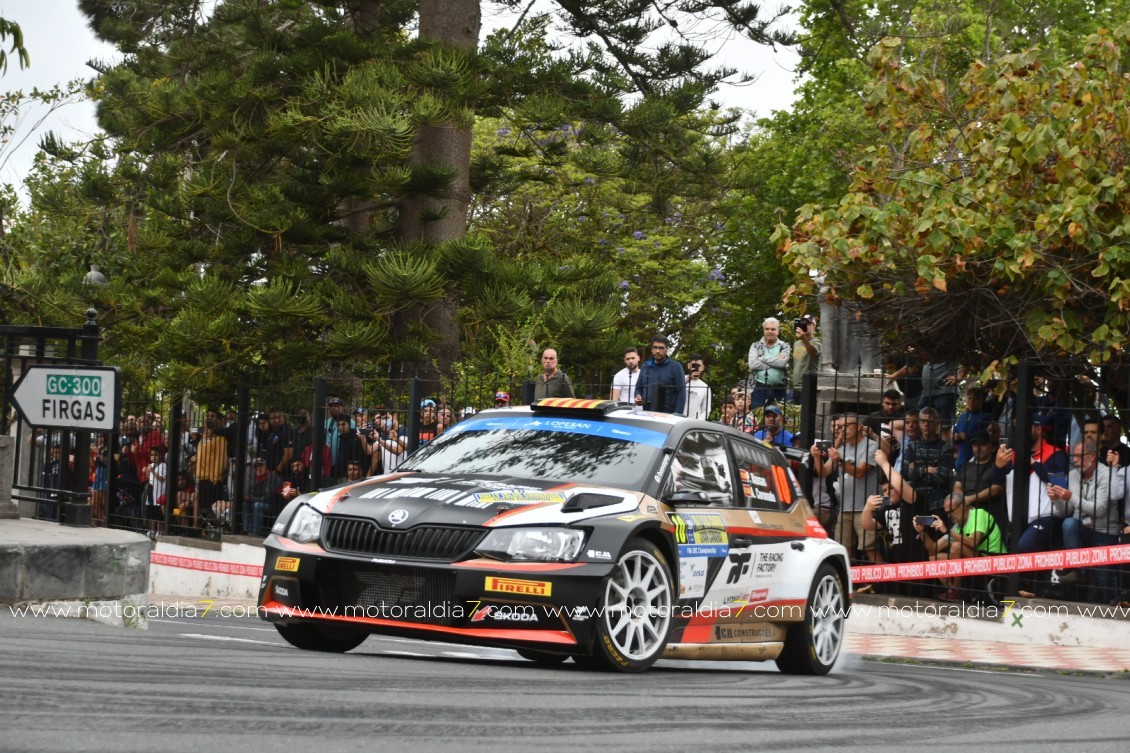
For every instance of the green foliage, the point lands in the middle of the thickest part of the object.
(12, 29)
(1000, 212)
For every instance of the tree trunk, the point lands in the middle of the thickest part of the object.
(454, 23)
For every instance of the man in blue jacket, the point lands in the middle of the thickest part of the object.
(663, 385)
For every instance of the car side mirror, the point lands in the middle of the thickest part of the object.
(696, 497)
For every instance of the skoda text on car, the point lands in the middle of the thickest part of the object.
(572, 528)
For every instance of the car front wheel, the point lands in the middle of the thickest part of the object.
(812, 645)
(635, 610)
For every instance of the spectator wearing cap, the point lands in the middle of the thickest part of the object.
(552, 382)
(973, 420)
(501, 399)
(336, 408)
(263, 500)
(977, 480)
(805, 355)
(774, 431)
(390, 441)
(429, 422)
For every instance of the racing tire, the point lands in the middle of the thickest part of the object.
(813, 644)
(542, 658)
(329, 639)
(635, 611)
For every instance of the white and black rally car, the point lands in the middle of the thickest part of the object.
(571, 528)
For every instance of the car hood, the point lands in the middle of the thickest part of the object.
(401, 501)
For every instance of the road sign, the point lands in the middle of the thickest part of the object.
(69, 397)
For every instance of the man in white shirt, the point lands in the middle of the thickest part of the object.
(626, 379)
(698, 391)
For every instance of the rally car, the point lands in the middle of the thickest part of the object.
(580, 529)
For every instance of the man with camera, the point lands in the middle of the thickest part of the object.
(972, 532)
(805, 354)
(851, 458)
(891, 514)
(698, 391)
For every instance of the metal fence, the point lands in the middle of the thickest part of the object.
(225, 465)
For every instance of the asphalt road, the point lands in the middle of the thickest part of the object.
(211, 684)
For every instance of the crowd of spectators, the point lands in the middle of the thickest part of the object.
(929, 475)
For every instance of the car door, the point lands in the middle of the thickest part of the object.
(766, 540)
(716, 554)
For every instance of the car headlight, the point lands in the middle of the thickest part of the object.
(532, 544)
(305, 526)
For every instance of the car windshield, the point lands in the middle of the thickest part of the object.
(556, 448)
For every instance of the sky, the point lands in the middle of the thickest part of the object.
(60, 43)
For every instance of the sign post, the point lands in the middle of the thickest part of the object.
(82, 399)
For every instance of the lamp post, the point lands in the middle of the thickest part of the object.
(77, 508)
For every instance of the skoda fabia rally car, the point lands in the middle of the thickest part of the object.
(571, 528)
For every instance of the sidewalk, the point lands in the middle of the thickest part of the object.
(1031, 634)
(989, 653)
(43, 561)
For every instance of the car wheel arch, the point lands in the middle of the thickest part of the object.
(655, 535)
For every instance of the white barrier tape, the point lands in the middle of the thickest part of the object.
(1002, 563)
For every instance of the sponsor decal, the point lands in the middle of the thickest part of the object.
(281, 591)
(622, 432)
(520, 497)
(631, 518)
(813, 528)
(581, 614)
(287, 564)
(396, 517)
(739, 566)
(598, 554)
(690, 526)
(767, 562)
(760, 594)
(703, 550)
(692, 577)
(516, 586)
(653, 509)
(742, 633)
(755, 517)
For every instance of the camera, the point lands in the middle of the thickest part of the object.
(925, 521)
(823, 444)
(801, 324)
(881, 512)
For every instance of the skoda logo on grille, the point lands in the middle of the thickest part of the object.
(396, 517)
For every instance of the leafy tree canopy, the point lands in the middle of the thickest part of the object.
(990, 221)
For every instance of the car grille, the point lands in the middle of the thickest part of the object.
(404, 594)
(361, 536)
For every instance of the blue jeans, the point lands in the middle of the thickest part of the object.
(762, 395)
(1041, 535)
(253, 516)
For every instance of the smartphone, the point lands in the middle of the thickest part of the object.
(924, 520)
(886, 500)
(1003, 442)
